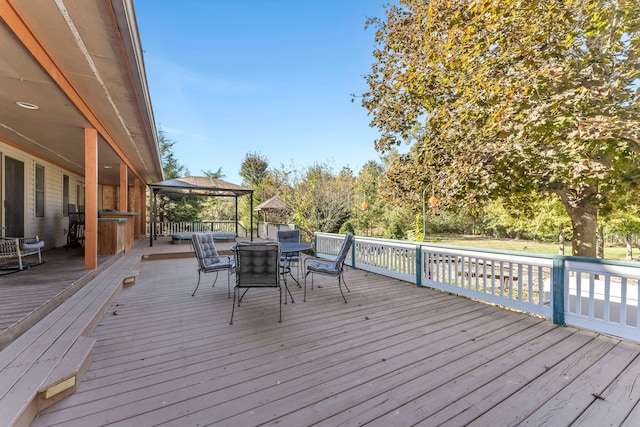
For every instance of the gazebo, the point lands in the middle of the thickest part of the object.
(274, 204)
(197, 186)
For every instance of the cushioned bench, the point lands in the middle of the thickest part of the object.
(217, 235)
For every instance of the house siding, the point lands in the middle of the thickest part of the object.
(53, 226)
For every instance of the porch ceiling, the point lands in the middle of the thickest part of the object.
(81, 63)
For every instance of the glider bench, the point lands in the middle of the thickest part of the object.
(20, 247)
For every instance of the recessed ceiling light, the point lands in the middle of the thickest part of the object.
(27, 105)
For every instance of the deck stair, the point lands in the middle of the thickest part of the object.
(47, 362)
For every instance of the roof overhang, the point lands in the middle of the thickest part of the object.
(273, 204)
(81, 63)
(199, 186)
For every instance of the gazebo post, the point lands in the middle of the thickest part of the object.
(152, 225)
(236, 199)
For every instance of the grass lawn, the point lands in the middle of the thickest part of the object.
(615, 252)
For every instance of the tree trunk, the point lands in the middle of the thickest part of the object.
(629, 247)
(600, 240)
(561, 239)
(584, 219)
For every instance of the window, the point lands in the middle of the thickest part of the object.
(39, 191)
(65, 195)
(80, 197)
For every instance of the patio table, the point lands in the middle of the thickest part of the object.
(290, 249)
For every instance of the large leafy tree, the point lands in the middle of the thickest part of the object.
(507, 97)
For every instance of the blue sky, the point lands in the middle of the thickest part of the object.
(229, 77)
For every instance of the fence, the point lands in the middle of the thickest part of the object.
(600, 295)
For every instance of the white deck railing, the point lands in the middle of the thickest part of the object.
(543, 285)
(608, 299)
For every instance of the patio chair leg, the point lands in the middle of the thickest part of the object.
(240, 297)
(215, 280)
(194, 291)
(304, 298)
(233, 307)
(287, 290)
(285, 298)
(344, 282)
(340, 286)
(291, 296)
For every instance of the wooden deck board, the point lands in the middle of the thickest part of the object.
(617, 400)
(393, 355)
(29, 295)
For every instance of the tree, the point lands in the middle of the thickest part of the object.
(215, 175)
(320, 200)
(394, 230)
(174, 208)
(624, 218)
(531, 217)
(171, 167)
(369, 207)
(265, 182)
(254, 169)
(216, 208)
(510, 97)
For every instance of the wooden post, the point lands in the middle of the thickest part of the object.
(557, 289)
(91, 198)
(137, 203)
(123, 199)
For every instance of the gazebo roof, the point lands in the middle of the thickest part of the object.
(273, 204)
(199, 186)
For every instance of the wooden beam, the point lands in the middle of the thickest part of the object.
(91, 198)
(123, 192)
(137, 204)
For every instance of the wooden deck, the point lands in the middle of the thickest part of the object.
(27, 296)
(394, 355)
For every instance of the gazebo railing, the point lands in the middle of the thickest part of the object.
(167, 229)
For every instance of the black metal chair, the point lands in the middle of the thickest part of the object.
(290, 259)
(209, 261)
(333, 268)
(257, 266)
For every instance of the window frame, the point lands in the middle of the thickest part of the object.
(39, 187)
